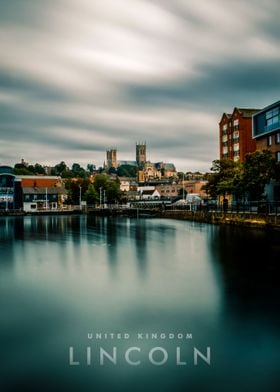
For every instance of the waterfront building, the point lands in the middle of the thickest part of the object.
(10, 190)
(266, 129)
(235, 134)
(49, 198)
(266, 133)
(28, 192)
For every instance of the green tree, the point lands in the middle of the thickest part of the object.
(91, 196)
(127, 171)
(224, 178)
(259, 168)
(75, 189)
(111, 188)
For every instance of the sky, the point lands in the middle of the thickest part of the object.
(79, 77)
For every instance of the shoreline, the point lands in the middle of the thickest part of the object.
(236, 219)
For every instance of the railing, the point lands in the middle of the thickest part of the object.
(252, 207)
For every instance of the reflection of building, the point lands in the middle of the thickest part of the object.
(266, 129)
(235, 136)
(112, 158)
(140, 153)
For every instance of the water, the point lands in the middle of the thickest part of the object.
(63, 278)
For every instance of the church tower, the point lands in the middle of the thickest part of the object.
(141, 153)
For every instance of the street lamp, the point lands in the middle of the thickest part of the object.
(100, 196)
(183, 186)
(80, 199)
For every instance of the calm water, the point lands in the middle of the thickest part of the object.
(63, 278)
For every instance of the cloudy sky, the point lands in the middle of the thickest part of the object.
(77, 77)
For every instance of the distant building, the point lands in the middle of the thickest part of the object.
(127, 184)
(169, 190)
(150, 194)
(141, 154)
(128, 163)
(266, 129)
(112, 158)
(166, 169)
(235, 134)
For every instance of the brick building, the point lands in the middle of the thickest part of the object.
(235, 134)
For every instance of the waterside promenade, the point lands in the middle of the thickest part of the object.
(241, 218)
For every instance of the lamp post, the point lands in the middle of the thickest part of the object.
(100, 196)
(80, 198)
(104, 197)
(183, 186)
(46, 198)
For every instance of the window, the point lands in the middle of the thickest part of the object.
(272, 118)
(277, 138)
(278, 156)
(236, 124)
(269, 140)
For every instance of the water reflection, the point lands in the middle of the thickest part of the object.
(62, 277)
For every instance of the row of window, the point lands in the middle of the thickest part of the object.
(236, 155)
(277, 139)
(39, 197)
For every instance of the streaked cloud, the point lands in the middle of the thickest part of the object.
(79, 77)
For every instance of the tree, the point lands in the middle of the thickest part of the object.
(59, 168)
(78, 171)
(259, 168)
(91, 167)
(111, 188)
(127, 171)
(224, 178)
(91, 196)
(75, 188)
